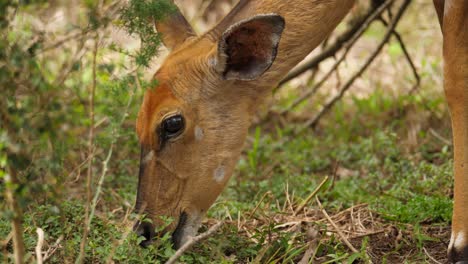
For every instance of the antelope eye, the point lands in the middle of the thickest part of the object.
(173, 126)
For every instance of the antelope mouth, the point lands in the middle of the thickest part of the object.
(146, 230)
(187, 226)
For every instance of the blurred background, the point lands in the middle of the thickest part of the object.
(72, 77)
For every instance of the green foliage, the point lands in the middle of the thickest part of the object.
(138, 18)
(63, 223)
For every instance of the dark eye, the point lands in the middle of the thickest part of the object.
(172, 126)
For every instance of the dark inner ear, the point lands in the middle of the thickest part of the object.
(248, 48)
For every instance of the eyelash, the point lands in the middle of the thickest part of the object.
(162, 133)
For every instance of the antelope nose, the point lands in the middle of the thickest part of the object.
(146, 230)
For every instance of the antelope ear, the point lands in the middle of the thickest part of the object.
(174, 29)
(248, 48)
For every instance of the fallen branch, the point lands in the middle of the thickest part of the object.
(192, 241)
(313, 121)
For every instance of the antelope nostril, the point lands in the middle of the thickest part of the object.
(146, 230)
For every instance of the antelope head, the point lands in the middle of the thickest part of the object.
(192, 126)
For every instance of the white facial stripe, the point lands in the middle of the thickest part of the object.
(198, 133)
(218, 174)
(148, 157)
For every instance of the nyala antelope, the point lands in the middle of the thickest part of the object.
(193, 126)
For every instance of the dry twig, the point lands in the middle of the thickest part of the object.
(407, 56)
(92, 93)
(52, 249)
(109, 155)
(338, 230)
(439, 137)
(16, 223)
(192, 241)
(431, 257)
(341, 41)
(363, 27)
(40, 242)
(261, 200)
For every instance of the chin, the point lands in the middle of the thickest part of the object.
(186, 228)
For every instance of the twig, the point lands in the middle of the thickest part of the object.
(120, 241)
(261, 200)
(40, 242)
(59, 43)
(312, 195)
(16, 223)
(338, 230)
(349, 209)
(313, 121)
(53, 248)
(92, 93)
(110, 12)
(192, 241)
(407, 56)
(439, 137)
(337, 45)
(287, 200)
(364, 26)
(430, 257)
(109, 153)
(368, 234)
